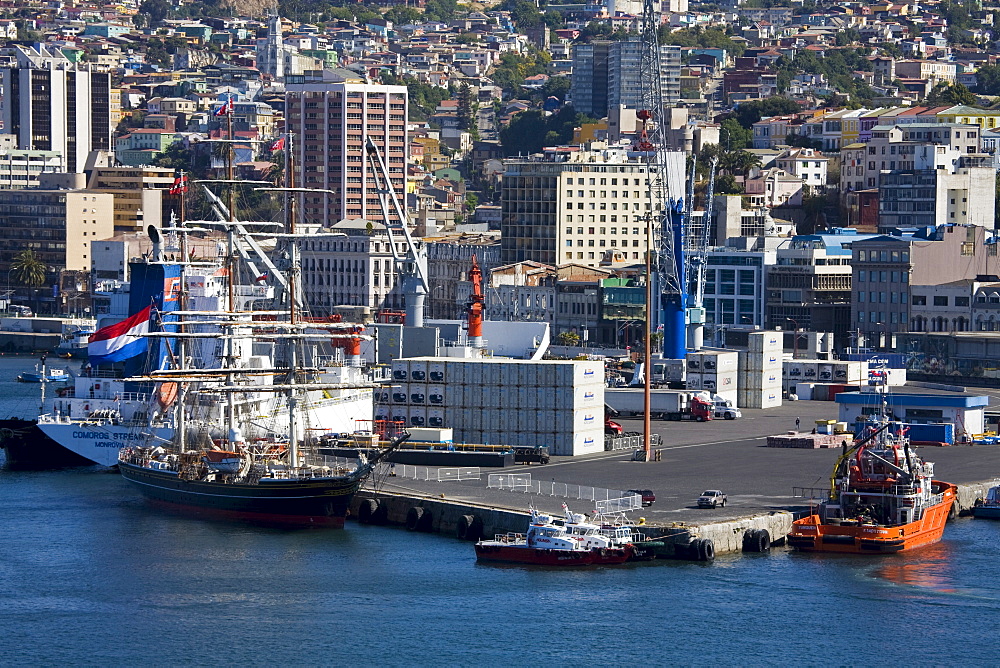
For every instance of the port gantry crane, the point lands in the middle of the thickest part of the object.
(697, 255)
(411, 265)
(665, 206)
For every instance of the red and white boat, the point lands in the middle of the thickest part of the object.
(574, 543)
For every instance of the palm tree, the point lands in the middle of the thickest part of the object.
(28, 269)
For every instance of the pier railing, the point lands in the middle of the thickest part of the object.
(429, 473)
(522, 482)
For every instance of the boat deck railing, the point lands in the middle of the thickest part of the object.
(510, 538)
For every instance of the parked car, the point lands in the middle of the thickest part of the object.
(536, 455)
(712, 498)
(647, 495)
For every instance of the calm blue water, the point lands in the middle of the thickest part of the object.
(90, 575)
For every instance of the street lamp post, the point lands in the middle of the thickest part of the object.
(795, 337)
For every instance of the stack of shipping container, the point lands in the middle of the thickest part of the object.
(500, 401)
(715, 371)
(760, 371)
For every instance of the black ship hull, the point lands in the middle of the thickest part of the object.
(322, 502)
(29, 449)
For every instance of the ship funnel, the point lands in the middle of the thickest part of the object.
(154, 236)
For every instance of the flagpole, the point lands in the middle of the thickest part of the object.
(183, 191)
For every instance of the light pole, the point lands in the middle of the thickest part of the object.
(795, 337)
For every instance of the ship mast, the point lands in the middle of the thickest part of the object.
(293, 272)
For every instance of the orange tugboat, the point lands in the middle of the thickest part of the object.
(883, 499)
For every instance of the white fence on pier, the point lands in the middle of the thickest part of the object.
(613, 500)
(431, 473)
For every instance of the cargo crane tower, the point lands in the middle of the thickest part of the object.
(665, 206)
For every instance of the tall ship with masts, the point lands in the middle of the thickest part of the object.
(277, 477)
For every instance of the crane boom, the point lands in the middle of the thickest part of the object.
(665, 177)
(410, 266)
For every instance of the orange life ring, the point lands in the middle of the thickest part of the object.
(167, 394)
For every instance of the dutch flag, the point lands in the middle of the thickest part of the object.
(122, 340)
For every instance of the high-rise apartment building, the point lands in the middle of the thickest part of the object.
(52, 104)
(606, 74)
(331, 115)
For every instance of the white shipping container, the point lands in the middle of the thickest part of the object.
(400, 370)
(435, 417)
(730, 395)
(694, 362)
(588, 372)
(719, 362)
(437, 372)
(431, 435)
(588, 419)
(399, 394)
(547, 420)
(507, 374)
(418, 370)
(436, 394)
(694, 381)
(491, 419)
(588, 396)
(588, 442)
(562, 397)
(418, 394)
(824, 373)
(418, 416)
(766, 398)
(761, 342)
(545, 397)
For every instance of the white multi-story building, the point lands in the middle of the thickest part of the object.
(573, 205)
(806, 163)
(53, 104)
(352, 267)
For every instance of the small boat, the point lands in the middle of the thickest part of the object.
(988, 508)
(41, 374)
(883, 499)
(546, 543)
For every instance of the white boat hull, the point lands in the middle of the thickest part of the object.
(101, 442)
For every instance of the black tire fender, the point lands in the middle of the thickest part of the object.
(463, 526)
(414, 518)
(367, 510)
(706, 550)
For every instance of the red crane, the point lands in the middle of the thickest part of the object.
(475, 306)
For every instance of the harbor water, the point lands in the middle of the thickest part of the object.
(92, 575)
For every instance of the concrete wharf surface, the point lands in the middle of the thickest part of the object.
(730, 455)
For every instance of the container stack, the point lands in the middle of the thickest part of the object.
(715, 371)
(760, 371)
(501, 402)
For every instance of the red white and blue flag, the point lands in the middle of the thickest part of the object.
(226, 108)
(122, 340)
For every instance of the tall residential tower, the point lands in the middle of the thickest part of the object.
(52, 104)
(331, 114)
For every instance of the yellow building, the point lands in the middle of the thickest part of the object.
(987, 119)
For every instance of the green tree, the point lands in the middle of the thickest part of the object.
(28, 269)
(946, 94)
(568, 339)
(988, 80)
(440, 10)
(401, 15)
(734, 136)
(748, 113)
(814, 209)
(726, 184)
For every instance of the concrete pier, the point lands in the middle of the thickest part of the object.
(767, 487)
